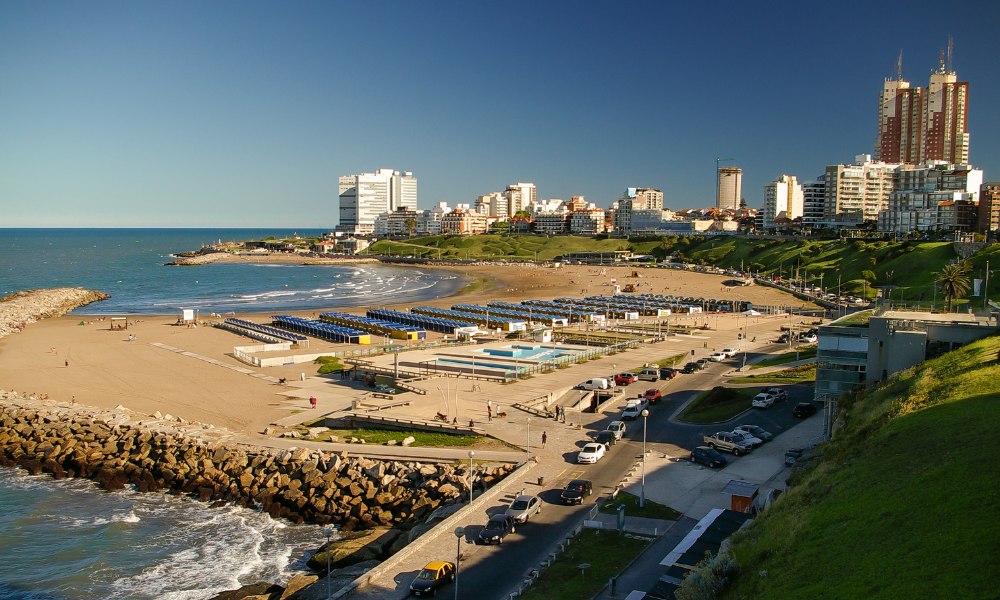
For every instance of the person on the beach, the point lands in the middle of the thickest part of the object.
(312, 401)
(544, 439)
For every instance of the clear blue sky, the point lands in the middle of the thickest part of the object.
(244, 113)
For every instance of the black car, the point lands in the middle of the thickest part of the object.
(496, 529)
(667, 373)
(689, 368)
(434, 575)
(804, 409)
(710, 457)
(607, 438)
(576, 490)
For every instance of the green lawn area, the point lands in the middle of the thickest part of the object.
(670, 361)
(607, 553)
(381, 436)
(909, 483)
(652, 510)
(798, 374)
(804, 353)
(717, 404)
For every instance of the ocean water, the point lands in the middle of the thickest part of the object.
(129, 264)
(68, 539)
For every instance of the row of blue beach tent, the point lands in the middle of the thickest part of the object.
(399, 331)
(520, 313)
(431, 323)
(576, 314)
(265, 329)
(492, 321)
(549, 308)
(319, 329)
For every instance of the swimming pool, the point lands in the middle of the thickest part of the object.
(534, 353)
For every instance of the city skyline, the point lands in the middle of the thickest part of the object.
(246, 115)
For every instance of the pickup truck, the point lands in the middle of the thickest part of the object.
(724, 440)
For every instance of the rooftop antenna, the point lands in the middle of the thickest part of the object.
(951, 48)
(899, 66)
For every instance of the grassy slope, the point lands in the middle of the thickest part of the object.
(903, 504)
(911, 266)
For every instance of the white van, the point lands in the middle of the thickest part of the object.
(597, 383)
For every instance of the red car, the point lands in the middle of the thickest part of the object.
(652, 395)
(625, 378)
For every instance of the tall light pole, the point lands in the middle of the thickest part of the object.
(718, 180)
(527, 437)
(328, 532)
(471, 454)
(459, 532)
(642, 488)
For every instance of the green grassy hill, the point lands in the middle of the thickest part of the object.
(857, 266)
(903, 502)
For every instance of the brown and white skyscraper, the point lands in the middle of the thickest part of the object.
(917, 124)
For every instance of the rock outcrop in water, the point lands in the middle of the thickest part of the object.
(299, 485)
(20, 309)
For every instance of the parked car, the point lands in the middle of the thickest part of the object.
(748, 439)
(434, 575)
(710, 457)
(652, 395)
(576, 490)
(778, 393)
(607, 438)
(725, 440)
(756, 431)
(597, 383)
(591, 453)
(618, 428)
(718, 357)
(625, 378)
(689, 368)
(803, 410)
(523, 507)
(496, 529)
(809, 338)
(633, 409)
(762, 400)
(667, 373)
(702, 363)
(650, 374)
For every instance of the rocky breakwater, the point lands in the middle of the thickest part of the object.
(300, 485)
(20, 309)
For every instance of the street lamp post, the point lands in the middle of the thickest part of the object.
(642, 488)
(471, 454)
(459, 532)
(527, 437)
(328, 532)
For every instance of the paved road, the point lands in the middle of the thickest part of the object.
(485, 567)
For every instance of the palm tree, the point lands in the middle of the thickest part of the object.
(954, 281)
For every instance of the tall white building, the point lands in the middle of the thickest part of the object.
(364, 196)
(729, 188)
(857, 192)
(813, 200)
(782, 201)
(519, 197)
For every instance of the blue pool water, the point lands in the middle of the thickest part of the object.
(536, 353)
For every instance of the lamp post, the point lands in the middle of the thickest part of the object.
(642, 488)
(459, 532)
(527, 437)
(328, 532)
(471, 454)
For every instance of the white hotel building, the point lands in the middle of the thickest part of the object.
(365, 196)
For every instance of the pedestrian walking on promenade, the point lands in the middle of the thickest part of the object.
(544, 438)
(312, 401)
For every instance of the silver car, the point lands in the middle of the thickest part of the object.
(523, 507)
(756, 431)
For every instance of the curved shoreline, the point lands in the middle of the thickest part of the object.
(273, 258)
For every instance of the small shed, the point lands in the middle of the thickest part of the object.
(743, 494)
